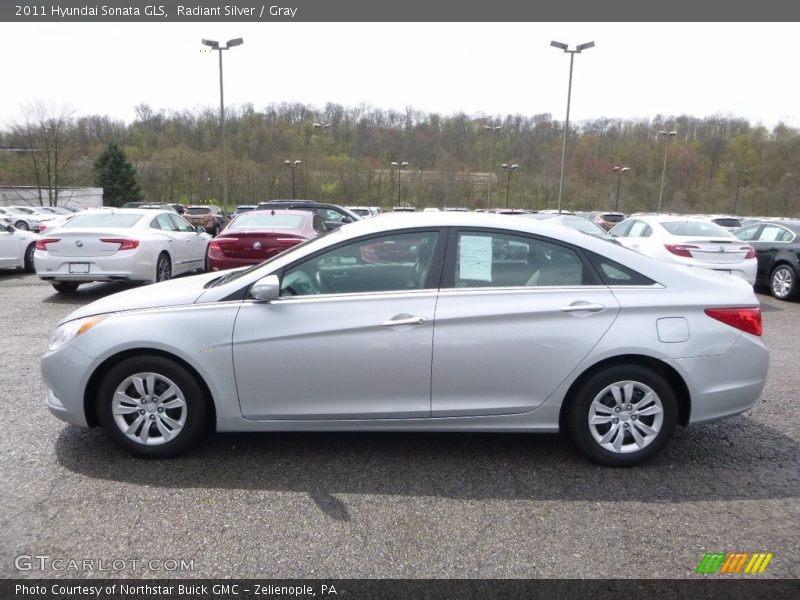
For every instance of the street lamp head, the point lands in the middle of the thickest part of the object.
(669, 133)
(559, 45)
(298, 162)
(404, 164)
(515, 166)
(235, 42)
(288, 163)
(394, 164)
(320, 125)
(585, 46)
(625, 169)
(504, 165)
(212, 43)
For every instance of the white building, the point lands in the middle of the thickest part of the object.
(86, 197)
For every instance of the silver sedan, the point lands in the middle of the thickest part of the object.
(438, 321)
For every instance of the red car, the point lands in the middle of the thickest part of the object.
(255, 236)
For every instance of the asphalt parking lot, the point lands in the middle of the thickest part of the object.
(389, 505)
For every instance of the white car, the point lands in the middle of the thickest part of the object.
(365, 212)
(688, 241)
(16, 248)
(24, 217)
(120, 245)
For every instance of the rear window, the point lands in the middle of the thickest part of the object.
(728, 222)
(197, 211)
(103, 220)
(692, 228)
(268, 221)
(612, 218)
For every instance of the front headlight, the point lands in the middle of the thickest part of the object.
(69, 331)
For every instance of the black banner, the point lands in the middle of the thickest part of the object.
(157, 11)
(423, 589)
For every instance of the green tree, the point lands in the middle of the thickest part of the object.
(117, 176)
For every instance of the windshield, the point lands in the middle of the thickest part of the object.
(308, 244)
(694, 228)
(263, 220)
(21, 210)
(103, 220)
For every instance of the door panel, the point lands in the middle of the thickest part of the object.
(334, 357)
(506, 351)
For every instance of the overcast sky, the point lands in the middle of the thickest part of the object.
(636, 70)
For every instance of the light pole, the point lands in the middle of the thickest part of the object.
(509, 169)
(293, 165)
(492, 129)
(214, 45)
(399, 166)
(578, 49)
(666, 135)
(739, 181)
(619, 171)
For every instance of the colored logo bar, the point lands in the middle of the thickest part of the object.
(735, 562)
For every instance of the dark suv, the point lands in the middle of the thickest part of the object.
(333, 215)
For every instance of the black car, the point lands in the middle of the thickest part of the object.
(333, 215)
(777, 245)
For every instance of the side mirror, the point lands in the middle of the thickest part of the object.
(266, 289)
(200, 229)
(10, 228)
(347, 220)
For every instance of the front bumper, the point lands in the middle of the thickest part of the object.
(66, 373)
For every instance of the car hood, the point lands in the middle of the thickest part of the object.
(175, 292)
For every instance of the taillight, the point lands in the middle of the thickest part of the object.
(217, 243)
(42, 227)
(124, 243)
(681, 249)
(746, 319)
(41, 244)
(288, 241)
(751, 252)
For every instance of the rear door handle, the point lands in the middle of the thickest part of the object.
(403, 320)
(582, 307)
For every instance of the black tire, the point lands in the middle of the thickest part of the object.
(65, 287)
(196, 411)
(163, 267)
(29, 266)
(783, 282)
(581, 404)
(21, 225)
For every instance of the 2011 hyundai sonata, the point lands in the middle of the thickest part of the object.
(437, 321)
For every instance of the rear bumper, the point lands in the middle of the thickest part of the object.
(727, 384)
(125, 266)
(221, 263)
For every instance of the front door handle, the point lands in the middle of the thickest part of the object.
(403, 320)
(582, 307)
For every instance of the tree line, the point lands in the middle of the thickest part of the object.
(714, 164)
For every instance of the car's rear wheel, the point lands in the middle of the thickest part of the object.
(151, 406)
(65, 287)
(623, 416)
(21, 225)
(783, 282)
(163, 267)
(29, 266)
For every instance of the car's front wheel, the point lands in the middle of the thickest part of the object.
(21, 225)
(151, 406)
(783, 282)
(623, 416)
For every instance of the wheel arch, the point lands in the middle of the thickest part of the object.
(672, 376)
(93, 385)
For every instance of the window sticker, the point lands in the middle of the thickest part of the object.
(475, 258)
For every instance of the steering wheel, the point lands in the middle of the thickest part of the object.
(299, 283)
(321, 285)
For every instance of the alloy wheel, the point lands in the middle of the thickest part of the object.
(149, 408)
(782, 282)
(625, 417)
